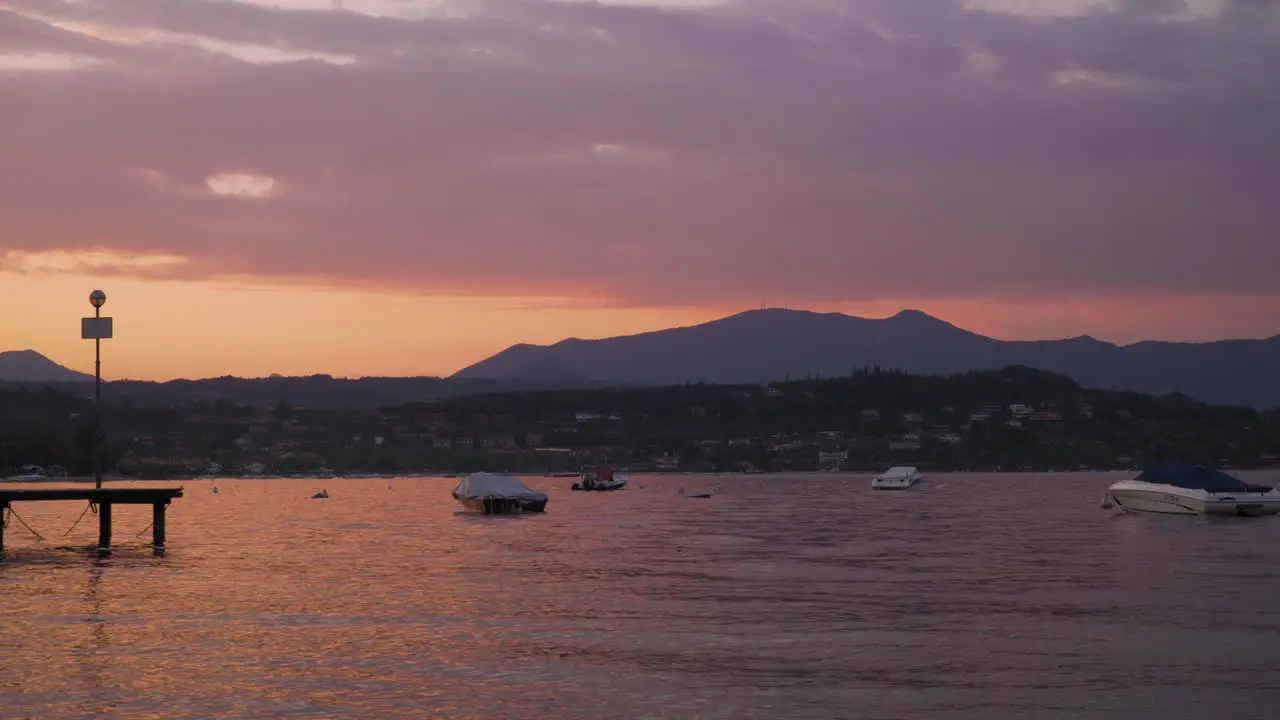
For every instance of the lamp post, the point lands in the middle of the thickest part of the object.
(97, 328)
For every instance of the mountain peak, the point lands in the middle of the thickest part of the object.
(770, 312)
(31, 366)
(918, 321)
(918, 318)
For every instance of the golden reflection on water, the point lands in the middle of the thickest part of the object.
(796, 597)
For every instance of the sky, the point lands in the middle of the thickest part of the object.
(402, 187)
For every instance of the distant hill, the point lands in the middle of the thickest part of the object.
(959, 422)
(769, 345)
(312, 391)
(322, 391)
(29, 366)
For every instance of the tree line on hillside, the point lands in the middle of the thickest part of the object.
(312, 391)
(1007, 419)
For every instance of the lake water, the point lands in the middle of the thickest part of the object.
(970, 596)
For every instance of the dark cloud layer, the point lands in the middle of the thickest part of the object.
(819, 150)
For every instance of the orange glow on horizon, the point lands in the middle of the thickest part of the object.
(183, 329)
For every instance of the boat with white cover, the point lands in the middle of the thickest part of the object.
(897, 478)
(1180, 490)
(494, 494)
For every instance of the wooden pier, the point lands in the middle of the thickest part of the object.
(104, 499)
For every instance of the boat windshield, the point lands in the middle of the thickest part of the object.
(1198, 478)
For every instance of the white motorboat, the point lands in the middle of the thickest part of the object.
(1193, 491)
(498, 495)
(897, 478)
(30, 473)
(600, 479)
(25, 478)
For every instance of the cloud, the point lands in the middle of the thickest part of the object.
(88, 262)
(247, 186)
(13, 63)
(654, 152)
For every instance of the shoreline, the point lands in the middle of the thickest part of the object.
(82, 479)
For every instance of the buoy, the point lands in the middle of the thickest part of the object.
(1107, 502)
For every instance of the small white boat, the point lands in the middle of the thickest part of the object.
(30, 473)
(25, 478)
(498, 495)
(897, 478)
(1192, 491)
(600, 479)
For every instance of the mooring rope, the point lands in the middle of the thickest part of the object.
(92, 507)
(153, 522)
(14, 514)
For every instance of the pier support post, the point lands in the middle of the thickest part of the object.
(157, 524)
(4, 510)
(104, 525)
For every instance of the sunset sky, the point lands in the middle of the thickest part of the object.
(368, 187)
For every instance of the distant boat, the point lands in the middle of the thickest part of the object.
(30, 473)
(697, 496)
(320, 495)
(898, 478)
(600, 479)
(498, 495)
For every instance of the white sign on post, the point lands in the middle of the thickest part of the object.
(95, 328)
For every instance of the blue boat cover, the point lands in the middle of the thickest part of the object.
(1198, 478)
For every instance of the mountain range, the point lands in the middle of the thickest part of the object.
(751, 347)
(774, 344)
